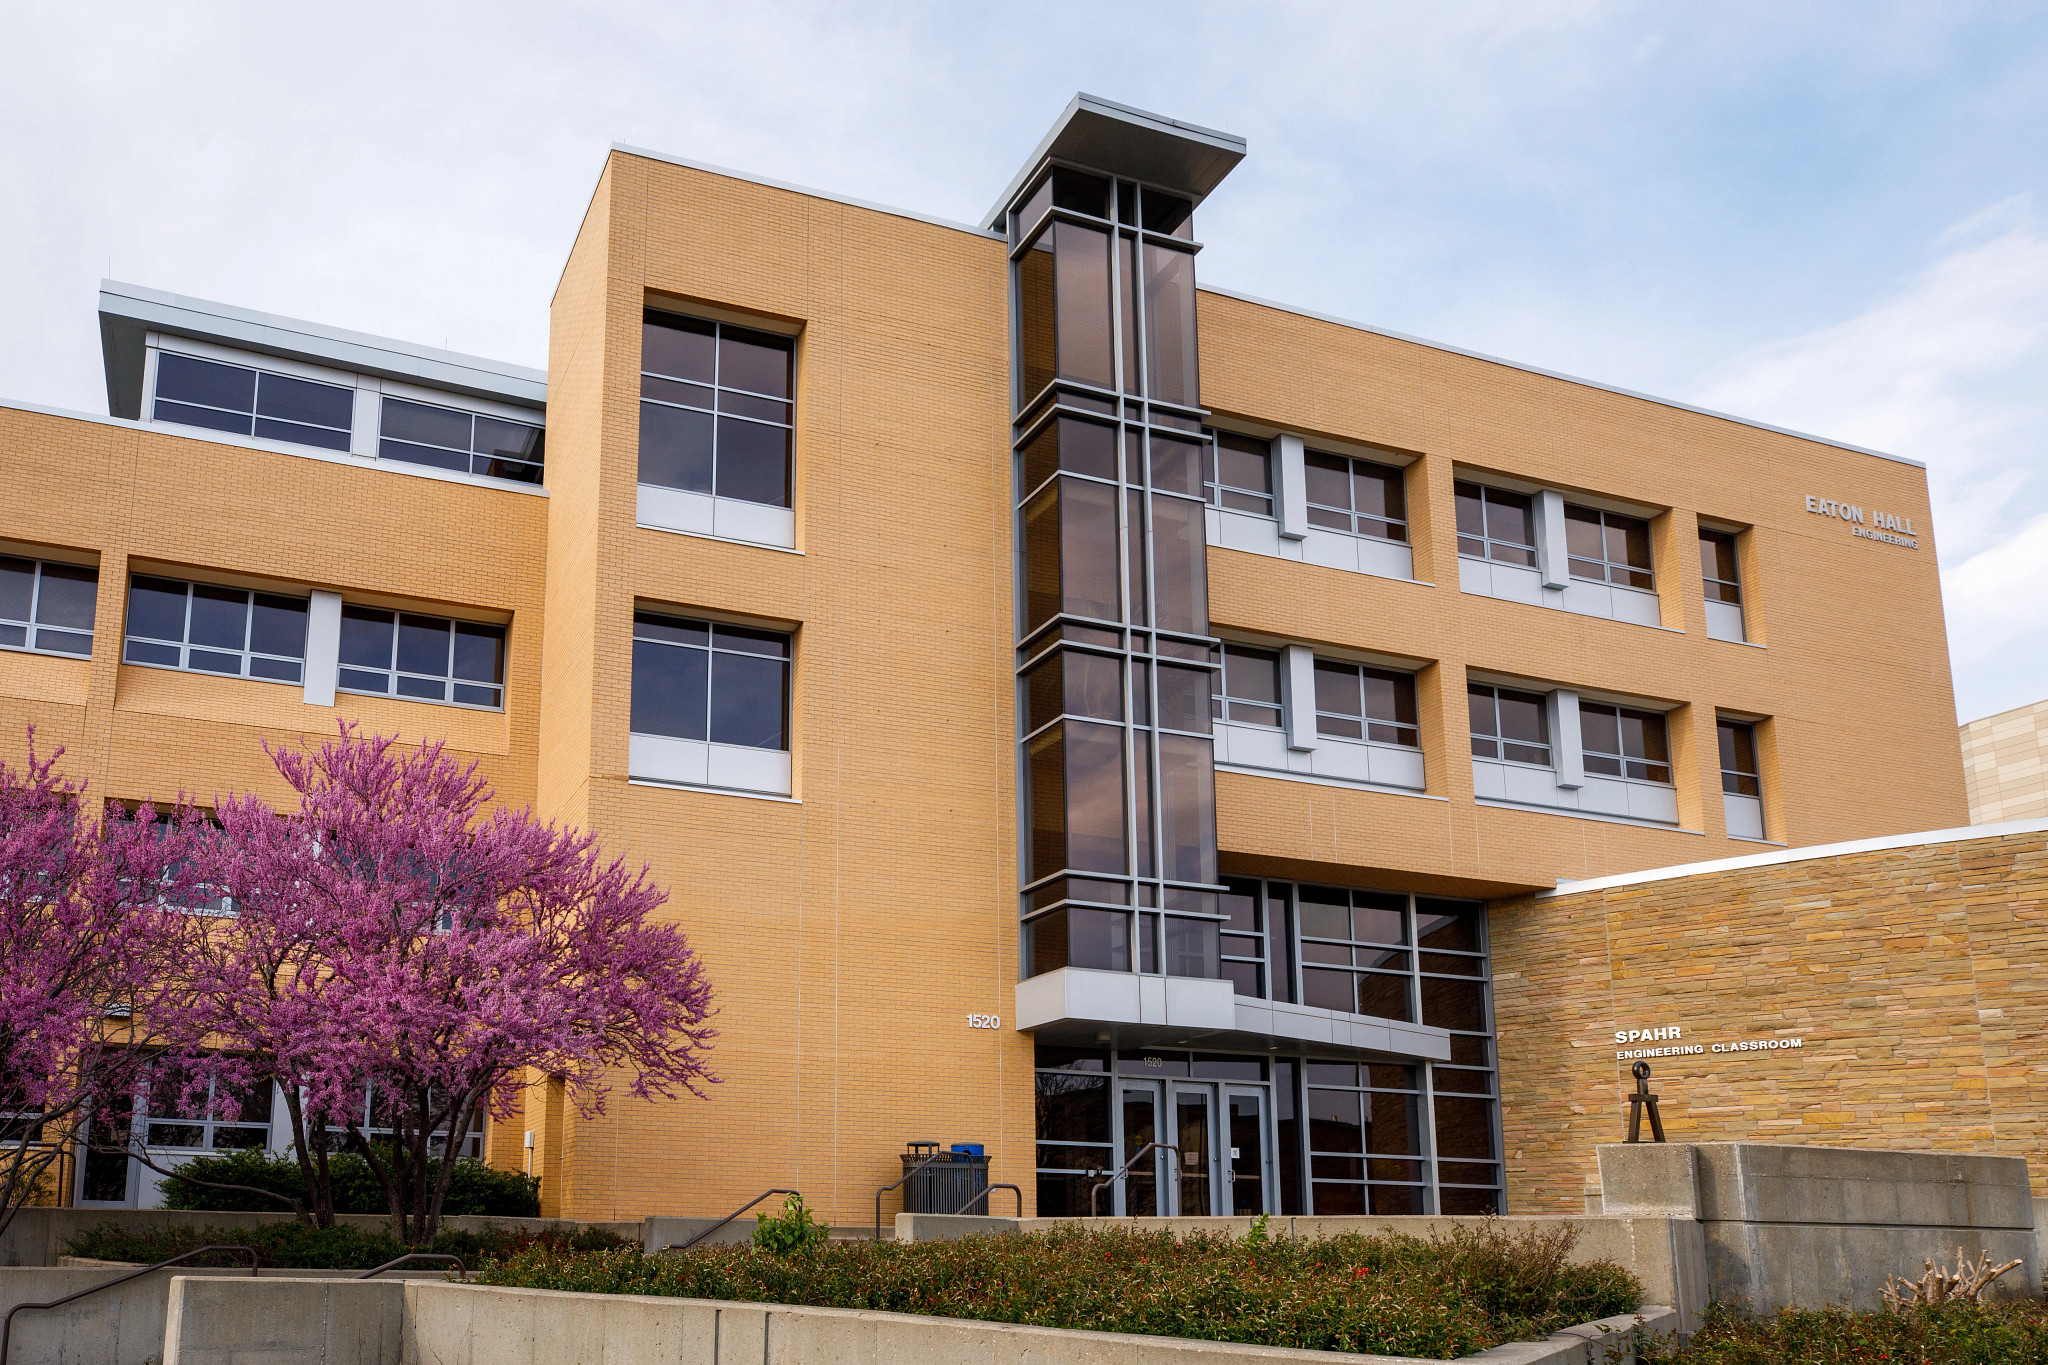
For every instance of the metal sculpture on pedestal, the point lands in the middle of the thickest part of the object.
(1643, 1100)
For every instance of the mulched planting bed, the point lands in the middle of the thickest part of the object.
(1454, 1295)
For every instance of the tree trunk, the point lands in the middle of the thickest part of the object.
(313, 1167)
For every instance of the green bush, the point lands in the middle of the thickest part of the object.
(475, 1188)
(301, 1246)
(791, 1232)
(2009, 1333)
(1464, 1292)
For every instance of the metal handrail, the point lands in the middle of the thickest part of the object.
(7, 1323)
(685, 1246)
(934, 1158)
(1099, 1185)
(983, 1194)
(460, 1268)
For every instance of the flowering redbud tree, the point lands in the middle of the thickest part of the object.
(91, 938)
(404, 954)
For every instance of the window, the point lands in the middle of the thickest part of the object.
(422, 658)
(1248, 686)
(1606, 547)
(47, 607)
(715, 414)
(246, 402)
(1359, 496)
(1074, 1148)
(1739, 773)
(1365, 1138)
(1493, 524)
(1354, 951)
(1509, 725)
(201, 897)
(706, 680)
(182, 1111)
(1239, 474)
(208, 629)
(1243, 939)
(1717, 567)
(466, 442)
(1455, 991)
(1620, 742)
(1355, 702)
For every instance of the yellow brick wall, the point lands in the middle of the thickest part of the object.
(849, 932)
(1854, 678)
(1909, 975)
(2005, 765)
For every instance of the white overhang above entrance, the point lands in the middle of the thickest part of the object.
(1077, 1005)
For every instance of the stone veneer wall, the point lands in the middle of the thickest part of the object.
(1912, 977)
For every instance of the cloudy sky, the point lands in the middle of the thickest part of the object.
(1829, 216)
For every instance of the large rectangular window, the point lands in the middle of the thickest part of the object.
(1074, 1147)
(1360, 496)
(1495, 524)
(247, 402)
(1354, 951)
(423, 658)
(1356, 702)
(1239, 473)
(1621, 742)
(716, 412)
(210, 1116)
(466, 442)
(1244, 936)
(1606, 547)
(1509, 725)
(209, 629)
(706, 680)
(1718, 571)
(1247, 686)
(47, 607)
(1739, 771)
(1456, 996)
(1365, 1138)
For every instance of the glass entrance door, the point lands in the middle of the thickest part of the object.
(1138, 1192)
(1194, 1135)
(1246, 1172)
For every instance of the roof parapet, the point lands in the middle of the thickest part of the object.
(129, 312)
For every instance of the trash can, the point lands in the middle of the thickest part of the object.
(948, 1181)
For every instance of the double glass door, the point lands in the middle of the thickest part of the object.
(1208, 1149)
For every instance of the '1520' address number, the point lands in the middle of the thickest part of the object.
(984, 1021)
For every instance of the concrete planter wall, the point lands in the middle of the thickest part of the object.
(292, 1322)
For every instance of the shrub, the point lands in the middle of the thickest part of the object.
(1391, 1295)
(475, 1187)
(301, 1246)
(2007, 1333)
(791, 1232)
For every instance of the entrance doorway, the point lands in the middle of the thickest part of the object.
(1203, 1167)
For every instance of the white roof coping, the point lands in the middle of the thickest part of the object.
(808, 190)
(129, 312)
(1922, 839)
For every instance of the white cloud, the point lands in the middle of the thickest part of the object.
(1949, 370)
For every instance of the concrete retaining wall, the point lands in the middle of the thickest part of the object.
(1798, 1226)
(284, 1322)
(123, 1326)
(296, 1322)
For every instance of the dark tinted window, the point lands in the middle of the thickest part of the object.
(212, 629)
(47, 606)
(246, 402)
(425, 658)
(715, 409)
(706, 680)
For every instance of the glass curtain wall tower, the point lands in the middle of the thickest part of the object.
(1113, 647)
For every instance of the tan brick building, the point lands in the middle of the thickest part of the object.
(2005, 765)
(1070, 709)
